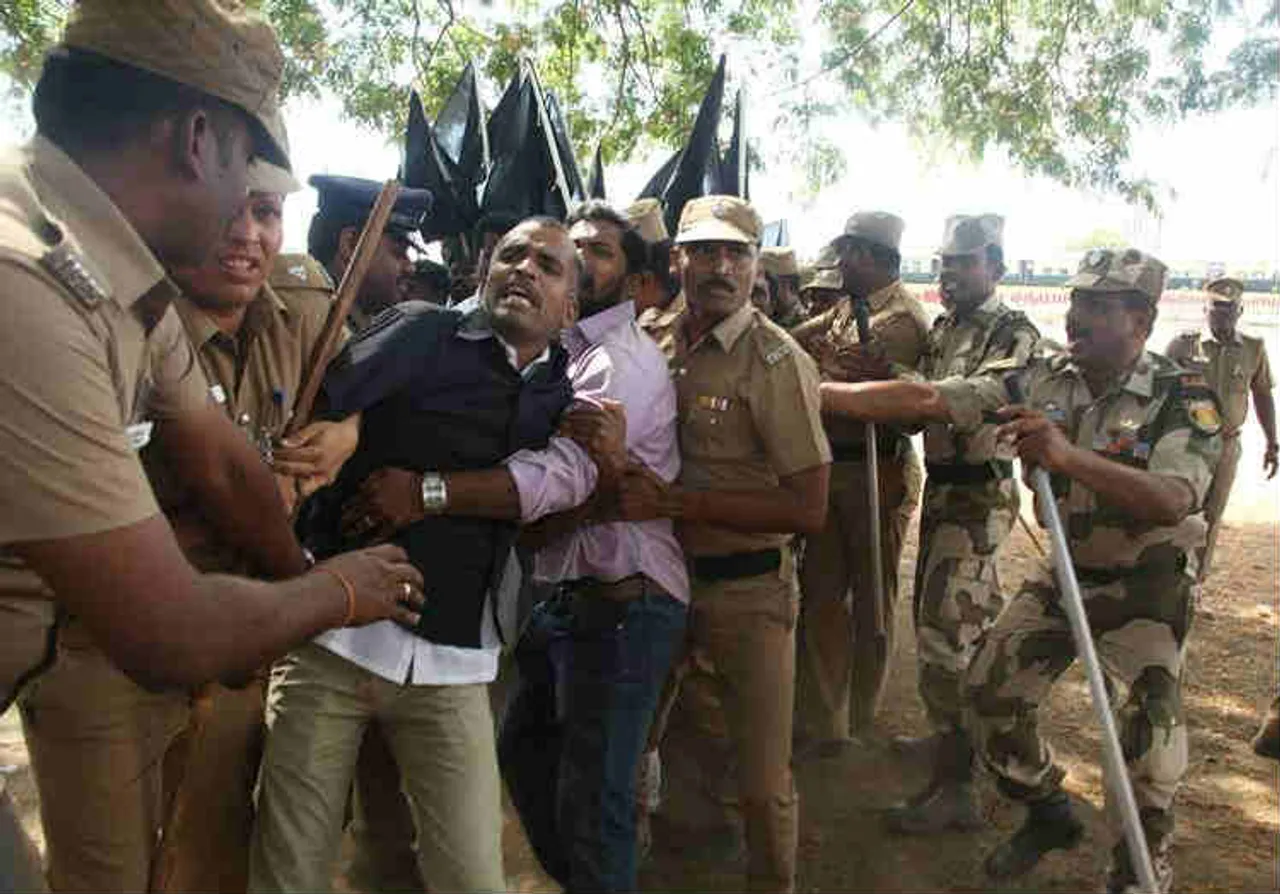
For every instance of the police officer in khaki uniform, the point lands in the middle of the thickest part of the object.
(657, 286)
(664, 307)
(821, 285)
(1131, 441)
(779, 262)
(969, 507)
(755, 463)
(1236, 367)
(254, 342)
(846, 637)
(144, 133)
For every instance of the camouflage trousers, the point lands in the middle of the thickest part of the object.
(1140, 624)
(957, 586)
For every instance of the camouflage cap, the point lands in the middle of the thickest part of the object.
(1120, 270)
(828, 258)
(1224, 289)
(779, 261)
(218, 47)
(876, 227)
(646, 216)
(822, 278)
(968, 234)
(719, 219)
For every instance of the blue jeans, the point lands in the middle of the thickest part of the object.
(591, 670)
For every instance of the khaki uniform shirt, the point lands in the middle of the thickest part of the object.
(749, 415)
(660, 323)
(1232, 370)
(1160, 418)
(960, 347)
(897, 326)
(91, 355)
(255, 376)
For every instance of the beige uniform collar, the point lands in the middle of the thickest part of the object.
(106, 241)
(201, 327)
(731, 328)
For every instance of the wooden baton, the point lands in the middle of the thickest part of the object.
(370, 237)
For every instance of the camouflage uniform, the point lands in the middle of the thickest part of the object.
(970, 505)
(1137, 580)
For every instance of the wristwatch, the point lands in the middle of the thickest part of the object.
(435, 494)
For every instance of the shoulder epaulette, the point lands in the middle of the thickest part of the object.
(772, 341)
(65, 265)
(299, 271)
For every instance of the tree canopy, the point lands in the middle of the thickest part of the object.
(1057, 85)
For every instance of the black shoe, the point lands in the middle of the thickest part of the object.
(1267, 742)
(938, 808)
(1050, 825)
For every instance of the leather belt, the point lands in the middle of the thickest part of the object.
(629, 589)
(736, 565)
(969, 473)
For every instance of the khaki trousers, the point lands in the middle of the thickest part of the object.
(211, 771)
(1215, 502)
(318, 708)
(381, 822)
(746, 631)
(19, 859)
(97, 742)
(847, 634)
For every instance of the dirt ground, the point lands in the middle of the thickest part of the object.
(1228, 810)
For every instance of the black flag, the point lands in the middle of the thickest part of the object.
(701, 154)
(595, 189)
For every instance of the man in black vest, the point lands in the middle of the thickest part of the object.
(457, 446)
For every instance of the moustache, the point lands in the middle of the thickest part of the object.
(717, 281)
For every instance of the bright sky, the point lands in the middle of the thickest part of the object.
(1220, 175)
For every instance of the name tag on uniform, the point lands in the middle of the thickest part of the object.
(711, 402)
(139, 434)
(219, 396)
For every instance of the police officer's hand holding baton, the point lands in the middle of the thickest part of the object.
(1038, 439)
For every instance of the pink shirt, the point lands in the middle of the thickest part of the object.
(610, 357)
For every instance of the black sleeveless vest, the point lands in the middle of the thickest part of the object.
(438, 394)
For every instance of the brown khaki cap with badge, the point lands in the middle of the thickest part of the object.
(218, 47)
(968, 234)
(877, 227)
(719, 219)
(779, 261)
(1120, 270)
(646, 216)
(1224, 290)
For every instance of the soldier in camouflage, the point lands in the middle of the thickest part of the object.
(970, 505)
(1130, 441)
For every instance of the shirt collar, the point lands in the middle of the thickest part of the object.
(1142, 378)
(108, 244)
(593, 329)
(475, 326)
(201, 327)
(880, 297)
(731, 328)
(1139, 381)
